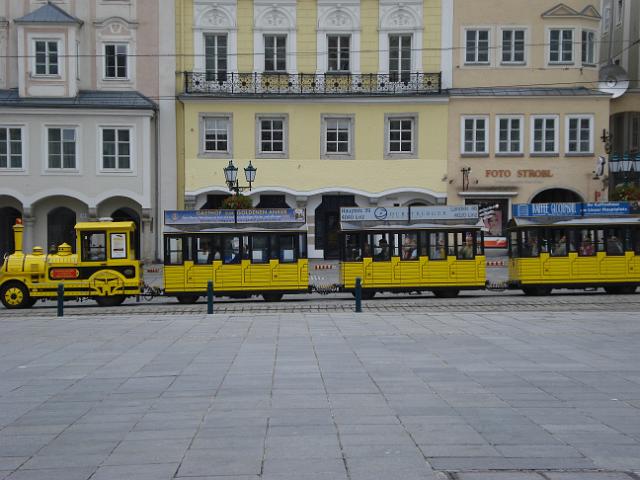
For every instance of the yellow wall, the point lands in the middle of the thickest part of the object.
(304, 170)
(369, 24)
(245, 36)
(431, 35)
(306, 19)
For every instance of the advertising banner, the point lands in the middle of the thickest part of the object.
(195, 217)
(457, 212)
(599, 209)
(356, 214)
(271, 215)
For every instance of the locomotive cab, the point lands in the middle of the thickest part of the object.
(103, 267)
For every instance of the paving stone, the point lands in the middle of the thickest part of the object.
(80, 473)
(136, 472)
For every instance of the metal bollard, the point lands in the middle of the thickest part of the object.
(61, 299)
(358, 295)
(209, 297)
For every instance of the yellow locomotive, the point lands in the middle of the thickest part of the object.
(105, 267)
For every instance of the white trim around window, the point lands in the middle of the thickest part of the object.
(396, 128)
(333, 145)
(276, 140)
(65, 137)
(575, 143)
(45, 59)
(509, 136)
(9, 148)
(212, 135)
(479, 137)
(564, 40)
(545, 135)
(117, 66)
(588, 55)
(482, 51)
(519, 38)
(122, 151)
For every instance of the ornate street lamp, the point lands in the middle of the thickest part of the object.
(231, 177)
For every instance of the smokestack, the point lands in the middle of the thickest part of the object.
(18, 230)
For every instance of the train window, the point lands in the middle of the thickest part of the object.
(274, 246)
(479, 242)
(395, 244)
(409, 249)
(438, 246)
(529, 244)
(513, 244)
(302, 242)
(231, 250)
(260, 248)
(288, 248)
(424, 243)
(352, 247)
(464, 240)
(380, 246)
(614, 244)
(585, 241)
(94, 246)
(451, 244)
(559, 244)
(174, 254)
(206, 249)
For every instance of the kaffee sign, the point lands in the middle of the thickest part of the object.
(524, 173)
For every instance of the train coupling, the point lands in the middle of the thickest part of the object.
(326, 289)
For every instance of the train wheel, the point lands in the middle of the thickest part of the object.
(15, 295)
(272, 297)
(536, 291)
(187, 299)
(446, 293)
(368, 294)
(110, 301)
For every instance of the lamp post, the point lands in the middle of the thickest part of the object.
(231, 177)
(465, 178)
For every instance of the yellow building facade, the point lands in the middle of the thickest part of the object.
(336, 103)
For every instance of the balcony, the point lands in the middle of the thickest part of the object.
(624, 168)
(366, 84)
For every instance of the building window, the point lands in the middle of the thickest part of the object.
(513, 46)
(474, 135)
(544, 135)
(399, 58)
(509, 138)
(116, 149)
(338, 47)
(561, 46)
(579, 135)
(401, 135)
(46, 57)
(10, 148)
(115, 61)
(337, 137)
(275, 53)
(61, 143)
(216, 135)
(606, 16)
(215, 57)
(588, 48)
(272, 137)
(477, 46)
(619, 11)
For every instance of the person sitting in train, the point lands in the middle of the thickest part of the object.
(560, 248)
(367, 251)
(406, 248)
(586, 247)
(614, 246)
(466, 251)
(383, 250)
(532, 248)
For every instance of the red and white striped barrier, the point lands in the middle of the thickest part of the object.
(323, 267)
(496, 263)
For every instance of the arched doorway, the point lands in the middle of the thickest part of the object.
(557, 195)
(126, 215)
(327, 217)
(61, 224)
(8, 217)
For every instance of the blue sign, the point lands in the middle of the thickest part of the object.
(609, 208)
(271, 215)
(195, 217)
(601, 209)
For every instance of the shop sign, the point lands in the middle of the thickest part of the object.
(575, 209)
(381, 214)
(610, 208)
(271, 215)
(356, 214)
(195, 217)
(524, 173)
(460, 212)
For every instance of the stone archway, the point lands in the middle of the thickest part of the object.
(61, 222)
(557, 195)
(125, 215)
(8, 216)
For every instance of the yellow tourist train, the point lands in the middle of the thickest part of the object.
(574, 245)
(243, 252)
(104, 267)
(412, 249)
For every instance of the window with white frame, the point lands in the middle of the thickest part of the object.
(509, 135)
(399, 57)
(544, 135)
(476, 46)
(619, 11)
(46, 57)
(475, 135)
(275, 53)
(401, 136)
(579, 134)
(272, 141)
(116, 149)
(216, 138)
(338, 53)
(606, 16)
(115, 61)
(337, 137)
(513, 45)
(61, 148)
(561, 45)
(588, 47)
(10, 148)
(215, 56)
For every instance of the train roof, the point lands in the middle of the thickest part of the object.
(573, 222)
(128, 225)
(235, 228)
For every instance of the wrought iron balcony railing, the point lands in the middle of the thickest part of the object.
(624, 168)
(312, 83)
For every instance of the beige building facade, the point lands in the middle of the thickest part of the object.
(525, 119)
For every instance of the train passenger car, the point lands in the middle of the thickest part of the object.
(243, 252)
(105, 267)
(574, 246)
(437, 249)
